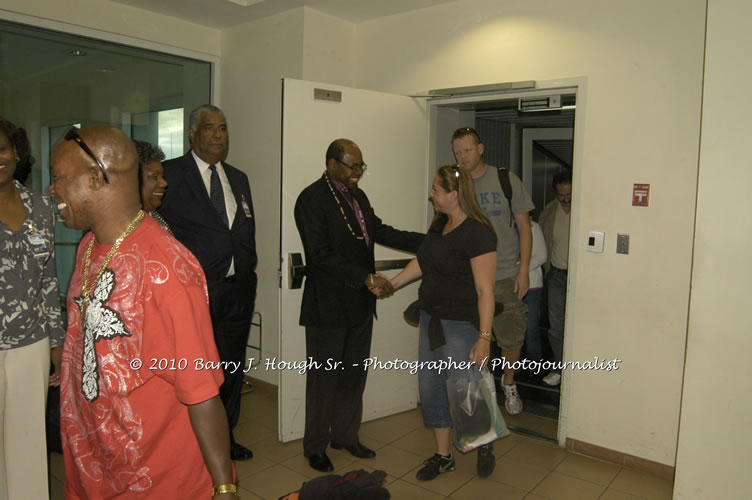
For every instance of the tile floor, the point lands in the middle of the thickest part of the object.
(526, 468)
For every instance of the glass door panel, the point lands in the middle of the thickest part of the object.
(51, 80)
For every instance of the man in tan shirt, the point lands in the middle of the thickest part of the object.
(555, 223)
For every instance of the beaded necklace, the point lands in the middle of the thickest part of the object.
(342, 210)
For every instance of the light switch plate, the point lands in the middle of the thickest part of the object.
(595, 241)
(622, 243)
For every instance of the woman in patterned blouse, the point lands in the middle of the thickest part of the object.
(31, 331)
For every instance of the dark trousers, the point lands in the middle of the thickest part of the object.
(533, 300)
(334, 397)
(231, 329)
(556, 281)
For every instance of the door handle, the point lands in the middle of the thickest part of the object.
(295, 271)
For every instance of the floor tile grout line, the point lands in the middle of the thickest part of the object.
(466, 482)
(512, 485)
(586, 480)
(621, 468)
(289, 469)
(543, 479)
(437, 493)
(512, 447)
(640, 497)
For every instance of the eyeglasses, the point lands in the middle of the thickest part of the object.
(362, 167)
(72, 135)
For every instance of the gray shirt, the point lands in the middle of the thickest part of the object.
(496, 207)
(29, 304)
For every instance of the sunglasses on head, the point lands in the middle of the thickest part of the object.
(72, 135)
(465, 131)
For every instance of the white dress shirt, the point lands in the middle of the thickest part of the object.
(230, 205)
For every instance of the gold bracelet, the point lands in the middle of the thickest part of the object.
(485, 334)
(371, 277)
(218, 489)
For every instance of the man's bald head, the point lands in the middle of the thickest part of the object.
(336, 149)
(87, 193)
(113, 148)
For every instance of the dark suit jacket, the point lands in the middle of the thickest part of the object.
(337, 264)
(196, 224)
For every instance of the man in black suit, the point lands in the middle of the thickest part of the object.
(209, 208)
(339, 228)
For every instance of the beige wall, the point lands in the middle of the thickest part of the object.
(120, 19)
(255, 58)
(328, 49)
(714, 452)
(638, 122)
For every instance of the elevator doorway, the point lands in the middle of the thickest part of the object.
(535, 146)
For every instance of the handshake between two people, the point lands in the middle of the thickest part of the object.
(379, 285)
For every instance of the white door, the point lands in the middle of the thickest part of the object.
(392, 132)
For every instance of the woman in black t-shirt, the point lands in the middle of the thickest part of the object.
(457, 261)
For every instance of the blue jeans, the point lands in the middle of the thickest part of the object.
(557, 303)
(460, 337)
(533, 301)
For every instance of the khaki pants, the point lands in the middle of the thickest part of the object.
(510, 326)
(24, 377)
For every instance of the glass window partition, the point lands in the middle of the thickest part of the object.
(50, 81)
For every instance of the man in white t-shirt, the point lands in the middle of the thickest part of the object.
(555, 223)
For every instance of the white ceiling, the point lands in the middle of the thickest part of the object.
(226, 13)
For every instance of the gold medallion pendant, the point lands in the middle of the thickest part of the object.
(86, 287)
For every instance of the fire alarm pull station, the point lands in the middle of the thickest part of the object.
(595, 241)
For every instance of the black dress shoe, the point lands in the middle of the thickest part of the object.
(358, 450)
(240, 452)
(320, 462)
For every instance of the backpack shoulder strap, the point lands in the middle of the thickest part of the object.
(506, 187)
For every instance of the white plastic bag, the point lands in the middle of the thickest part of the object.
(476, 417)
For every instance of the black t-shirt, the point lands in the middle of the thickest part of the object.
(445, 264)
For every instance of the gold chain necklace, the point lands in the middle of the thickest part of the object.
(86, 288)
(342, 210)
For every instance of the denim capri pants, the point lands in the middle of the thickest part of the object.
(460, 337)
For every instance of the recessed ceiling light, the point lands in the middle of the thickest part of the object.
(76, 52)
(245, 3)
(104, 70)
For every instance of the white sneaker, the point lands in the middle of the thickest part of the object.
(512, 401)
(552, 378)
